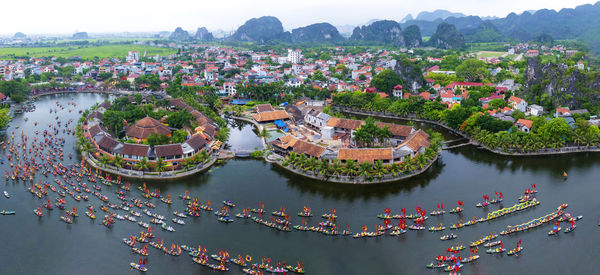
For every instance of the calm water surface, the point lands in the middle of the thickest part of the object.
(33, 245)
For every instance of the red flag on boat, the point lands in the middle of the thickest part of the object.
(460, 203)
(533, 185)
(442, 206)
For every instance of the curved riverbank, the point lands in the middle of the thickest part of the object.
(347, 179)
(149, 175)
(541, 152)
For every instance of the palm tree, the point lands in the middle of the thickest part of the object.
(311, 164)
(351, 168)
(188, 163)
(160, 165)
(379, 169)
(420, 161)
(301, 162)
(395, 168)
(323, 166)
(104, 160)
(336, 167)
(292, 157)
(142, 165)
(86, 147)
(364, 169)
(117, 161)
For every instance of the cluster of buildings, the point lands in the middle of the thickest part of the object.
(202, 138)
(316, 134)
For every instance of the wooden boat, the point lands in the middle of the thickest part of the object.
(448, 237)
(456, 248)
(470, 259)
(397, 232)
(140, 251)
(225, 219)
(554, 231)
(305, 214)
(7, 212)
(437, 228)
(436, 265)
(179, 214)
(483, 204)
(229, 203)
(515, 251)
(128, 242)
(66, 219)
(138, 267)
(491, 244)
(495, 250)
(437, 213)
(276, 269)
(415, 227)
(453, 267)
(570, 228)
(295, 269)
(6, 194)
(455, 210)
(177, 221)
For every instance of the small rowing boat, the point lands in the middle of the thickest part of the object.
(492, 244)
(495, 250)
(448, 237)
(6, 194)
(6, 212)
(436, 265)
(515, 251)
(554, 231)
(469, 259)
(138, 267)
(570, 228)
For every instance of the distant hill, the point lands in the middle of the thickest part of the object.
(19, 35)
(383, 32)
(446, 37)
(317, 33)
(437, 14)
(80, 35)
(179, 34)
(260, 30)
(202, 34)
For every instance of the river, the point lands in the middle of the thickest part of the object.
(33, 245)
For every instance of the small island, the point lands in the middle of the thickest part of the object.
(343, 150)
(148, 138)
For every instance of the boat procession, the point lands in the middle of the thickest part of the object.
(67, 185)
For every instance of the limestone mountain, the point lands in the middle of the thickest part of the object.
(260, 30)
(446, 37)
(179, 34)
(19, 35)
(412, 36)
(317, 33)
(202, 34)
(379, 32)
(80, 35)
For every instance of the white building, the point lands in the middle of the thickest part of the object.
(132, 56)
(535, 110)
(316, 119)
(294, 56)
(518, 103)
(229, 88)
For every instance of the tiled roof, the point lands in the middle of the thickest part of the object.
(264, 108)
(303, 147)
(416, 140)
(345, 123)
(145, 127)
(108, 143)
(168, 150)
(196, 142)
(271, 116)
(396, 129)
(366, 155)
(135, 149)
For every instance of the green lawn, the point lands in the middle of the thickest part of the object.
(489, 54)
(86, 52)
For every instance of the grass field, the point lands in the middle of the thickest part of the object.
(86, 52)
(489, 54)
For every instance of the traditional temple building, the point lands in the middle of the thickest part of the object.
(145, 127)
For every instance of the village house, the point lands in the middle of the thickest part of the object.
(535, 110)
(524, 125)
(518, 103)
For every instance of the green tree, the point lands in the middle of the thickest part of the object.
(142, 165)
(157, 139)
(386, 80)
(179, 119)
(160, 165)
(472, 70)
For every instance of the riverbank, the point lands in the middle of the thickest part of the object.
(149, 175)
(358, 180)
(510, 152)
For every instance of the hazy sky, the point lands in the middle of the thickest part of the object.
(67, 16)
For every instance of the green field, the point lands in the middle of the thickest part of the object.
(489, 54)
(86, 52)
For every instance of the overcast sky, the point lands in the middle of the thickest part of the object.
(68, 16)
